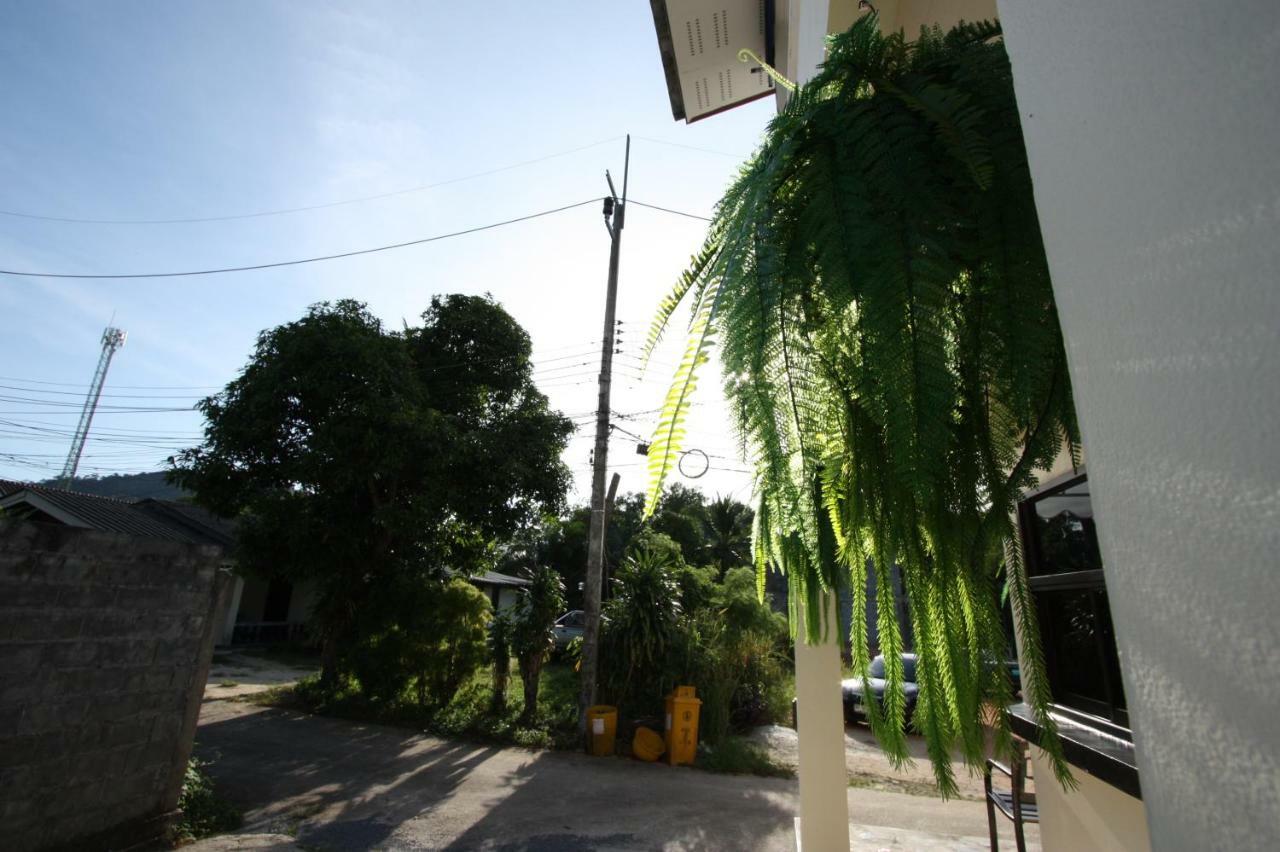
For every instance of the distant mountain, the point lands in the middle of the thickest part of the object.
(127, 486)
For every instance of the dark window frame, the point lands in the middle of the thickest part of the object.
(1108, 715)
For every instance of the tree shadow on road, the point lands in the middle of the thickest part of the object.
(339, 785)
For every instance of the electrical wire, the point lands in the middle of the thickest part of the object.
(690, 147)
(669, 210)
(298, 262)
(287, 210)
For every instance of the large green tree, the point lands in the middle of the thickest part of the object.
(370, 461)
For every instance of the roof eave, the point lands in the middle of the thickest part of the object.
(666, 47)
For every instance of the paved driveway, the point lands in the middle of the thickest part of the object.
(328, 784)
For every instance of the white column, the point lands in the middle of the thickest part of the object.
(824, 780)
(1152, 130)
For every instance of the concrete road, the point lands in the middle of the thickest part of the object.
(313, 783)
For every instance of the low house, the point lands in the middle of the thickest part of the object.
(255, 610)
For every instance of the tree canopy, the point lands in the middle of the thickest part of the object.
(370, 461)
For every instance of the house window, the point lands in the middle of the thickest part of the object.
(1064, 570)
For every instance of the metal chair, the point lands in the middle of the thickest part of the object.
(1017, 804)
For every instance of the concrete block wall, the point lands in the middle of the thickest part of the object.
(105, 644)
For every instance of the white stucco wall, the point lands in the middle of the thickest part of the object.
(1152, 130)
(1094, 817)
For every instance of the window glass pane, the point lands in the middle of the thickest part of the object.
(1066, 539)
(1084, 671)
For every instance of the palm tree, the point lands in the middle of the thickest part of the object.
(727, 530)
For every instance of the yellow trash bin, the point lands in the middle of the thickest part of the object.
(602, 727)
(682, 725)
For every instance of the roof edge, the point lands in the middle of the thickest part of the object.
(666, 47)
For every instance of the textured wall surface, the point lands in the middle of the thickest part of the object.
(1152, 128)
(105, 643)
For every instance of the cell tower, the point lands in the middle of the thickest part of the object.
(112, 339)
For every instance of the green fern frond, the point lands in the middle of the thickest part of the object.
(876, 287)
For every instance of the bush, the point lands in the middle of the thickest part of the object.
(204, 813)
(437, 642)
(738, 659)
(643, 647)
(500, 630)
(532, 634)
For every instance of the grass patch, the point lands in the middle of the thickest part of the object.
(204, 812)
(469, 714)
(868, 781)
(228, 684)
(738, 756)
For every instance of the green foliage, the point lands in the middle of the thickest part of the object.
(669, 624)
(364, 459)
(876, 281)
(500, 630)
(641, 641)
(204, 813)
(737, 659)
(469, 713)
(437, 640)
(532, 634)
(727, 531)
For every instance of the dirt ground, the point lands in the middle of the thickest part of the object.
(868, 766)
(244, 671)
(314, 783)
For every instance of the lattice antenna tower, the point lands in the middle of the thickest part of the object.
(112, 339)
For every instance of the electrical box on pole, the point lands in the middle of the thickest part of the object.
(112, 339)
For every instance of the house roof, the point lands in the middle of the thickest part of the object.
(493, 578)
(490, 578)
(699, 42)
(148, 518)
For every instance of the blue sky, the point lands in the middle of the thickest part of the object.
(157, 110)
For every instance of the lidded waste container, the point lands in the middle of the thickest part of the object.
(602, 727)
(682, 725)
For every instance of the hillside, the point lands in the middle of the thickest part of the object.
(128, 486)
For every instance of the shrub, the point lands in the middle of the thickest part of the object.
(203, 812)
(500, 630)
(532, 634)
(434, 646)
(643, 648)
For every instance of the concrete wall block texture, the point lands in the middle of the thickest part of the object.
(104, 647)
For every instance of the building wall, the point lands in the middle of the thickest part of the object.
(910, 15)
(105, 642)
(1151, 130)
(1095, 817)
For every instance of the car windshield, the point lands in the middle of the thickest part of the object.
(908, 667)
(571, 619)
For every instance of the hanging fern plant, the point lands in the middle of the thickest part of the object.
(877, 287)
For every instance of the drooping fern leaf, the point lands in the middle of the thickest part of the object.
(876, 285)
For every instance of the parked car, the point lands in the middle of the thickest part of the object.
(569, 627)
(855, 690)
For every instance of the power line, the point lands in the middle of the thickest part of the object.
(675, 212)
(287, 210)
(319, 259)
(692, 148)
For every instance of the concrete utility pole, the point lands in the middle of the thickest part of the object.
(112, 339)
(615, 210)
